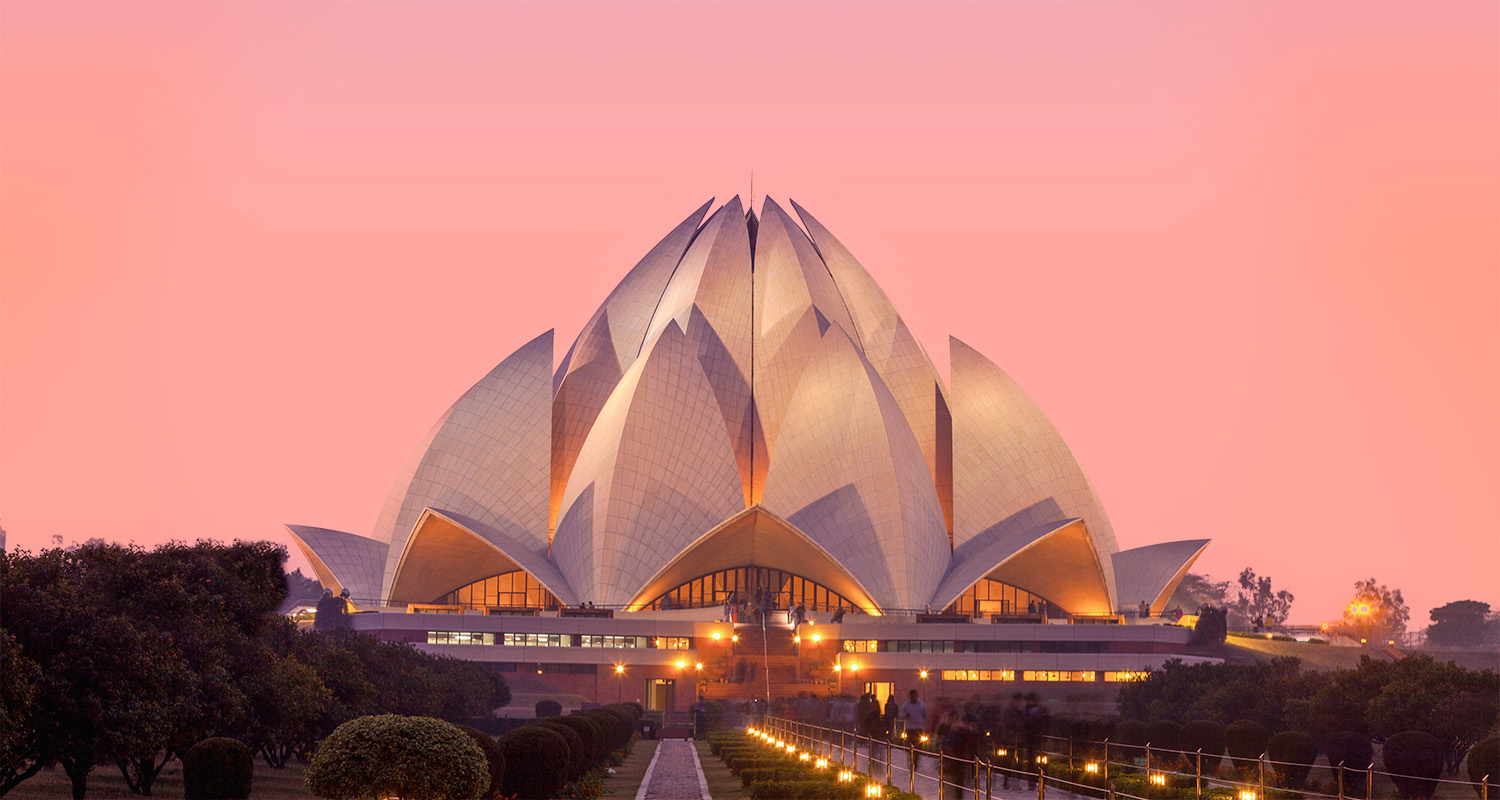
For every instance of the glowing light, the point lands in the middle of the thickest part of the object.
(837, 667)
(797, 639)
(845, 776)
(923, 674)
(924, 738)
(619, 668)
(805, 757)
(1000, 752)
(717, 636)
(1158, 779)
(821, 763)
(734, 638)
(854, 668)
(1039, 759)
(873, 790)
(1268, 636)
(700, 665)
(681, 664)
(1247, 794)
(817, 637)
(1091, 768)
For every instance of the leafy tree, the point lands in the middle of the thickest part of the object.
(1256, 598)
(19, 758)
(1212, 627)
(1376, 613)
(300, 589)
(287, 701)
(1197, 590)
(418, 758)
(1456, 705)
(1221, 693)
(1462, 623)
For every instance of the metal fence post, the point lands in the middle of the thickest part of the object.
(911, 766)
(1340, 770)
(940, 776)
(989, 781)
(1041, 782)
(1198, 780)
(1262, 764)
(1111, 790)
(1370, 782)
(1484, 788)
(1106, 766)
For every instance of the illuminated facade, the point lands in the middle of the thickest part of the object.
(746, 413)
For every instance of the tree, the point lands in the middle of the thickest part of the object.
(418, 758)
(1256, 598)
(1376, 613)
(19, 758)
(1462, 623)
(1197, 590)
(1458, 706)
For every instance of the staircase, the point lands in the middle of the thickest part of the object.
(762, 657)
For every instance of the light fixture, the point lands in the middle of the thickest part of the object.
(700, 665)
(681, 664)
(821, 763)
(854, 667)
(1041, 759)
(837, 667)
(805, 757)
(1000, 752)
(717, 636)
(619, 668)
(923, 674)
(1247, 794)
(1158, 779)
(797, 639)
(846, 776)
(817, 637)
(1091, 768)
(873, 790)
(734, 638)
(924, 738)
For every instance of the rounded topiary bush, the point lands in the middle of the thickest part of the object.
(1354, 752)
(1206, 736)
(1245, 740)
(1292, 754)
(548, 708)
(640, 711)
(592, 735)
(1484, 760)
(537, 761)
(1415, 760)
(217, 769)
(1164, 736)
(578, 752)
(1130, 735)
(492, 757)
(415, 758)
(617, 728)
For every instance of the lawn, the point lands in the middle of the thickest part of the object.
(105, 783)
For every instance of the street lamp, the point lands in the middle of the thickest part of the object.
(619, 679)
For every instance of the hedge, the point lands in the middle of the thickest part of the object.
(416, 758)
(578, 752)
(219, 768)
(546, 709)
(1246, 741)
(1202, 734)
(806, 790)
(1484, 759)
(1130, 735)
(493, 757)
(537, 761)
(1415, 760)
(1353, 750)
(1294, 753)
(773, 775)
(595, 747)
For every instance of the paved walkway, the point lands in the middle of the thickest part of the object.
(926, 784)
(674, 774)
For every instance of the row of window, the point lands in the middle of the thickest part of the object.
(1071, 676)
(939, 646)
(559, 640)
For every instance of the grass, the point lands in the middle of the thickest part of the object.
(626, 781)
(722, 784)
(106, 783)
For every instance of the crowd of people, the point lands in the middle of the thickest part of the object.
(955, 733)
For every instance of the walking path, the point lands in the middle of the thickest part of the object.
(674, 774)
(926, 784)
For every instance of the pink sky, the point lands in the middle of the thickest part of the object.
(1245, 255)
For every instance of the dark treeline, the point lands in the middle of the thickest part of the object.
(126, 657)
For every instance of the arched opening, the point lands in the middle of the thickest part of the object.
(508, 591)
(787, 591)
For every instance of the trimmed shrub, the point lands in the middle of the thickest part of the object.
(1353, 750)
(640, 710)
(546, 709)
(739, 765)
(591, 734)
(492, 756)
(578, 752)
(537, 761)
(1164, 734)
(1415, 760)
(1484, 759)
(773, 775)
(417, 758)
(217, 769)
(1130, 734)
(1245, 740)
(806, 790)
(1292, 754)
(1205, 735)
(616, 731)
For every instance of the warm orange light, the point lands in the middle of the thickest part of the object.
(797, 639)
(1091, 768)
(619, 668)
(854, 668)
(817, 637)
(734, 638)
(923, 674)
(1158, 779)
(873, 790)
(836, 667)
(717, 636)
(681, 664)
(821, 763)
(700, 665)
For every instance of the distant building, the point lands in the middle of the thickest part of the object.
(747, 416)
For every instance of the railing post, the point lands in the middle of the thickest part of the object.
(1262, 764)
(889, 757)
(940, 776)
(1148, 769)
(1111, 790)
(1198, 780)
(1484, 788)
(1370, 782)
(989, 781)
(1070, 753)
(911, 765)
(1106, 767)
(1041, 782)
(1340, 770)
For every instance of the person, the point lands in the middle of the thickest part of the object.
(728, 608)
(888, 722)
(1143, 610)
(838, 615)
(700, 717)
(1177, 613)
(1031, 606)
(801, 614)
(1035, 727)
(1259, 623)
(866, 711)
(960, 743)
(914, 712)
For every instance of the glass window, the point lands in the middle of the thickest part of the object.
(787, 591)
(509, 590)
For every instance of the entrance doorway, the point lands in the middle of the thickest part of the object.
(881, 690)
(661, 694)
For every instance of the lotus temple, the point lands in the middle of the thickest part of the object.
(747, 426)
